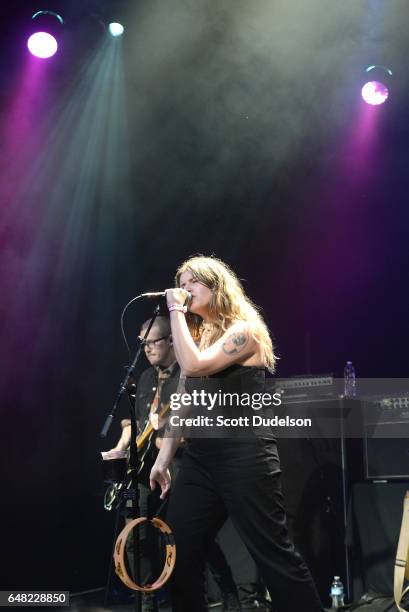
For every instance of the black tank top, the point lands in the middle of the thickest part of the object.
(232, 402)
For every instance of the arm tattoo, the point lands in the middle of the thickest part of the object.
(235, 343)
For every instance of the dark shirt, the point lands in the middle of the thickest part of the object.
(147, 387)
(233, 389)
(215, 445)
(145, 394)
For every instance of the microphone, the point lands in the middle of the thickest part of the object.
(158, 294)
(153, 294)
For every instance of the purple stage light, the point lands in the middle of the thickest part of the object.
(374, 93)
(42, 45)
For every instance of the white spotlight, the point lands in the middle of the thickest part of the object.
(376, 88)
(116, 29)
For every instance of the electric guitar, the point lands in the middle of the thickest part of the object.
(147, 451)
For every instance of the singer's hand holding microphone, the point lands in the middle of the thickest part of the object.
(177, 296)
(173, 296)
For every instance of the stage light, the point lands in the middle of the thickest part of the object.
(43, 40)
(375, 93)
(376, 90)
(42, 45)
(116, 29)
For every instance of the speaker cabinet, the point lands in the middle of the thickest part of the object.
(386, 454)
(375, 517)
(313, 495)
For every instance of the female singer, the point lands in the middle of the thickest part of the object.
(223, 336)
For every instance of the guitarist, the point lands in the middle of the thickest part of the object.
(153, 391)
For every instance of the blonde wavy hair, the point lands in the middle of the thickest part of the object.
(228, 304)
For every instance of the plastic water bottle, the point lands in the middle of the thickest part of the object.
(337, 593)
(349, 380)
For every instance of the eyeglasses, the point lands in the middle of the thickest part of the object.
(150, 343)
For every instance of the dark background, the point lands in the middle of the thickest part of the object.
(232, 128)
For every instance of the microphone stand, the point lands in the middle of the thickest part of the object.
(133, 492)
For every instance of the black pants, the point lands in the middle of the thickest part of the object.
(240, 479)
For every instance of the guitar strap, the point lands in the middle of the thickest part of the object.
(401, 561)
(156, 402)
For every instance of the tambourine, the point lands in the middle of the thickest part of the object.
(119, 555)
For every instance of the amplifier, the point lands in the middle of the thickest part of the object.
(386, 437)
(386, 409)
(298, 387)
